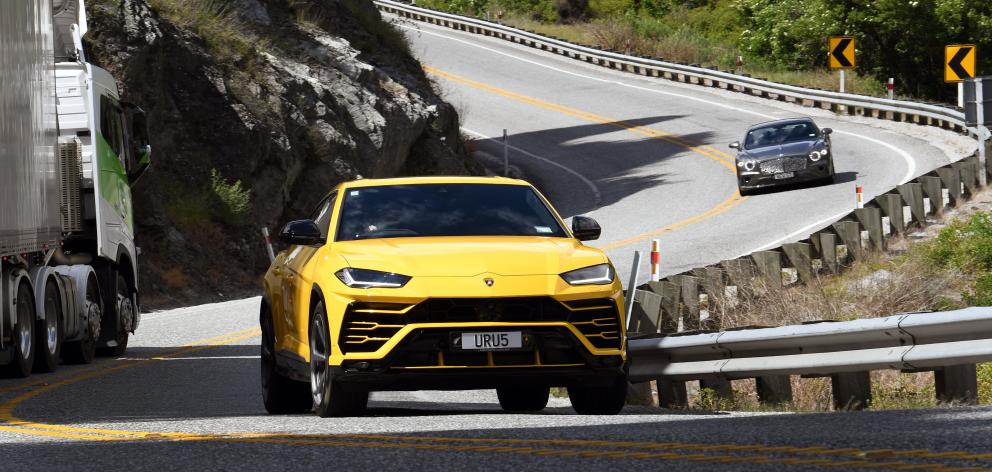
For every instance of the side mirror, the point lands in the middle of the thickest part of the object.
(585, 228)
(141, 150)
(301, 233)
(827, 130)
(735, 145)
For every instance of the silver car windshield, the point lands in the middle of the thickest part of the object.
(774, 135)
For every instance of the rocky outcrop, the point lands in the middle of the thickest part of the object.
(288, 97)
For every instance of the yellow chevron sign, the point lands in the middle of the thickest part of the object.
(841, 52)
(959, 62)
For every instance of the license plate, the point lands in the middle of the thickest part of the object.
(785, 175)
(493, 341)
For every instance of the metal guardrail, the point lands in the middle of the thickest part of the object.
(924, 113)
(916, 341)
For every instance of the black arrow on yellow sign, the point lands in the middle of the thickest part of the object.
(838, 52)
(956, 62)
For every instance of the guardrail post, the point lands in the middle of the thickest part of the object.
(672, 394)
(800, 256)
(912, 193)
(951, 178)
(871, 219)
(669, 292)
(720, 387)
(826, 247)
(968, 176)
(769, 264)
(774, 389)
(646, 315)
(891, 205)
(957, 384)
(933, 191)
(851, 390)
(850, 235)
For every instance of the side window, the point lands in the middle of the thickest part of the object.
(112, 127)
(322, 214)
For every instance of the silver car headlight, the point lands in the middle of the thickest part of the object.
(365, 278)
(748, 164)
(601, 274)
(817, 155)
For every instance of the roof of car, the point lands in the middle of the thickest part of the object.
(781, 122)
(432, 180)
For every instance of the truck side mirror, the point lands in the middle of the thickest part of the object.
(141, 150)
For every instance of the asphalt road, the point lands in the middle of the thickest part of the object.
(186, 396)
(648, 159)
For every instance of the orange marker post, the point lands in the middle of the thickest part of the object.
(861, 196)
(655, 260)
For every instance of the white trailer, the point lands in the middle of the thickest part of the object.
(69, 152)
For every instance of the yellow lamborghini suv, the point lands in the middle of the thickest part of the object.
(440, 283)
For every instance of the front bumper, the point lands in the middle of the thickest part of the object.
(813, 171)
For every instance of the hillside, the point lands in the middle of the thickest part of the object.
(256, 108)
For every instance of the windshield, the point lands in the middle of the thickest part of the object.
(445, 210)
(774, 135)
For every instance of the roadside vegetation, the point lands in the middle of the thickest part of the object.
(782, 40)
(951, 270)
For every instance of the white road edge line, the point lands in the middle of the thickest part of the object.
(910, 162)
(592, 186)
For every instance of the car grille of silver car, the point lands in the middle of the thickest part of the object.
(783, 164)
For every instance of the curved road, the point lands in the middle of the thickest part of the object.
(645, 157)
(648, 158)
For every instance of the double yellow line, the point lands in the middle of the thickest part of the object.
(716, 155)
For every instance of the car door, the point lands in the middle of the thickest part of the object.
(295, 286)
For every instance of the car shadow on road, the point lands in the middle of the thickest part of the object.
(613, 164)
(840, 178)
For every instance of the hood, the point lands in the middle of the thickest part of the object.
(779, 150)
(469, 256)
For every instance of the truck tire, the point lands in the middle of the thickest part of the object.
(607, 400)
(82, 351)
(280, 394)
(123, 315)
(23, 333)
(523, 398)
(49, 331)
(329, 397)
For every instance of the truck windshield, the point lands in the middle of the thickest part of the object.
(773, 135)
(396, 211)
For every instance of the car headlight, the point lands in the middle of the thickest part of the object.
(601, 274)
(365, 278)
(748, 164)
(817, 155)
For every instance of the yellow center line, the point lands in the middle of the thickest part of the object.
(720, 157)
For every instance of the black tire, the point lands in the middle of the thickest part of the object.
(329, 397)
(48, 334)
(123, 307)
(523, 398)
(22, 347)
(743, 191)
(83, 350)
(280, 394)
(607, 400)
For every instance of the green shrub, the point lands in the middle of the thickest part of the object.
(985, 383)
(234, 201)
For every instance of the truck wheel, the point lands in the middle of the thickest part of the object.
(83, 350)
(523, 398)
(23, 343)
(607, 400)
(125, 313)
(49, 331)
(280, 394)
(329, 397)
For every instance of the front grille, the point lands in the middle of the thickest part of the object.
(430, 347)
(368, 326)
(783, 164)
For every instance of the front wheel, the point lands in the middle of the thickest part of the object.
(329, 397)
(126, 312)
(607, 400)
(281, 395)
(24, 337)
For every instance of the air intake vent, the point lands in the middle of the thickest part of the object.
(70, 174)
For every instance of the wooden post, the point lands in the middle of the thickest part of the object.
(891, 205)
(646, 313)
(851, 390)
(669, 292)
(968, 175)
(850, 235)
(933, 191)
(912, 193)
(672, 394)
(774, 389)
(951, 178)
(690, 300)
(769, 265)
(721, 387)
(957, 384)
(826, 247)
(871, 220)
(800, 256)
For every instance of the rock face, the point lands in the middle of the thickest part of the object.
(287, 97)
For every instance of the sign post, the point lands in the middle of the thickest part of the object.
(978, 113)
(959, 65)
(841, 56)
